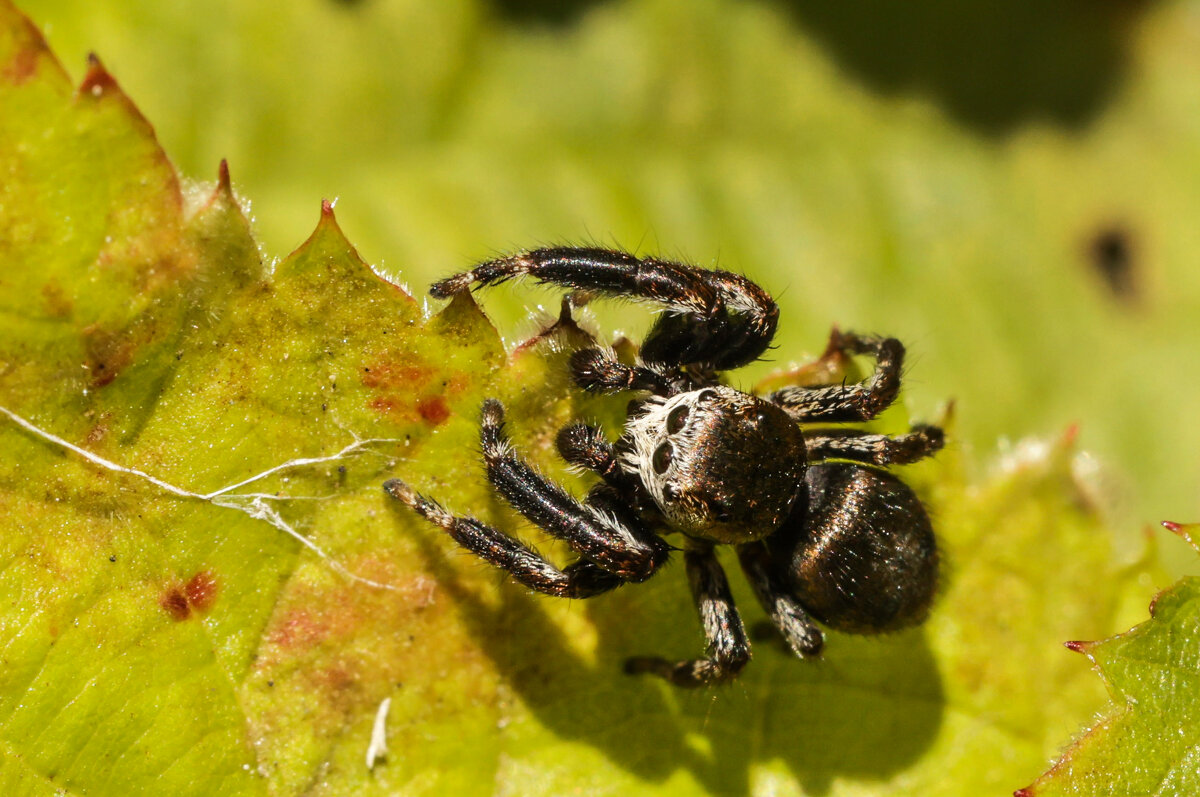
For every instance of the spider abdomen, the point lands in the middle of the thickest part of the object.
(862, 557)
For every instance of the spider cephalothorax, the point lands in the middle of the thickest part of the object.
(720, 464)
(821, 529)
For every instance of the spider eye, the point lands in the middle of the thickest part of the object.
(676, 419)
(662, 458)
(706, 395)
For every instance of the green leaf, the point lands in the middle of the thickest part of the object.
(1149, 741)
(159, 637)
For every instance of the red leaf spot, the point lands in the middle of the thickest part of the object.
(433, 410)
(393, 375)
(175, 603)
(197, 595)
(336, 679)
(299, 629)
(385, 405)
(457, 383)
(201, 591)
(22, 66)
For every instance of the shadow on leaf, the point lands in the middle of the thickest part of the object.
(870, 708)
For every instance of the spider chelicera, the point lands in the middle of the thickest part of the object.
(823, 532)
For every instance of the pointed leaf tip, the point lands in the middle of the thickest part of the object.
(328, 223)
(223, 192)
(1189, 531)
(1023, 793)
(1079, 646)
(97, 80)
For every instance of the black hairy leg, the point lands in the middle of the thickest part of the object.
(779, 602)
(595, 371)
(713, 319)
(728, 648)
(587, 447)
(621, 494)
(604, 535)
(583, 579)
(873, 449)
(856, 402)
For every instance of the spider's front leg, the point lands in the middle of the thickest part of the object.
(583, 579)
(599, 372)
(728, 649)
(856, 402)
(614, 549)
(714, 319)
(587, 447)
(604, 534)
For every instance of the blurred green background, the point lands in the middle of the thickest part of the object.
(1011, 188)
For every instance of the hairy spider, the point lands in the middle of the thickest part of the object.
(823, 532)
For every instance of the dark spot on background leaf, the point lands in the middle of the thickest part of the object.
(1110, 253)
(992, 66)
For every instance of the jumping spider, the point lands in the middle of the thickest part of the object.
(823, 532)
